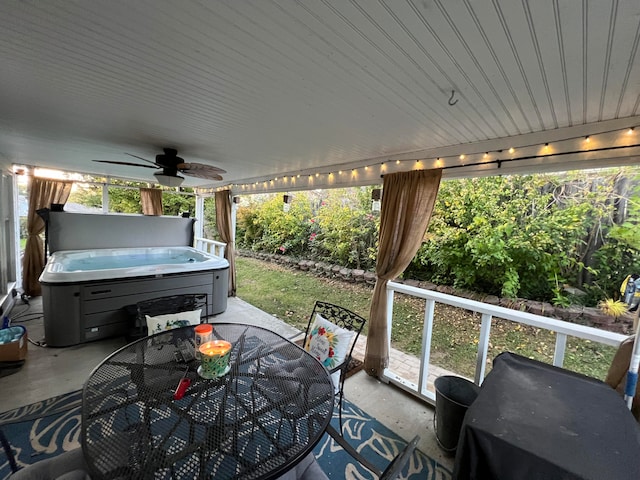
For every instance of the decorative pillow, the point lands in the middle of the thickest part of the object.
(328, 342)
(160, 323)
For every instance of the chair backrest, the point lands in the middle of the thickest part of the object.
(172, 304)
(167, 305)
(617, 374)
(394, 469)
(342, 317)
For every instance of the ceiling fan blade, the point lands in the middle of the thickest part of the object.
(200, 170)
(136, 156)
(212, 176)
(125, 163)
(201, 167)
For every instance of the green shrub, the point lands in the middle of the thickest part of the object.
(515, 236)
(264, 226)
(344, 233)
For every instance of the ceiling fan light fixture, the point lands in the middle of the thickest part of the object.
(168, 180)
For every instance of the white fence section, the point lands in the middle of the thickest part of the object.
(561, 329)
(212, 247)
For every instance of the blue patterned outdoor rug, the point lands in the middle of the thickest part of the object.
(48, 428)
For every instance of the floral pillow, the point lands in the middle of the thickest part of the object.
(160, 323)
(328, 342)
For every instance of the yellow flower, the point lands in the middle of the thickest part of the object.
(615, 308)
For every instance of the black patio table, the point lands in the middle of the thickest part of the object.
(532, 420)
(256, 422)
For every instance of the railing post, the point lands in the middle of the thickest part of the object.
(483, 346)
(427, 332)
(199, 215)
(390, 294)
(561, 346)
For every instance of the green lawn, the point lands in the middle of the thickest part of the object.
(289, 295)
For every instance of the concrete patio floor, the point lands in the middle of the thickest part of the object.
(53, 371)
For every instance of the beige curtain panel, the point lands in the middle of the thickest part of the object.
(151, 199)
(407, 203)
(224, 225)
(42, 193)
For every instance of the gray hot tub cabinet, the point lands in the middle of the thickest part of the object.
(82, 312)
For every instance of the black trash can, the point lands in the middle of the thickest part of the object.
(454, 395)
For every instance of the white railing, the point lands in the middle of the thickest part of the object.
(212, 247)
(561, 329)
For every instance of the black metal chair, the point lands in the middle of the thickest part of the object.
(166, 305)
(394, 468)
(11, 459)
(618, 371)
(347, 320)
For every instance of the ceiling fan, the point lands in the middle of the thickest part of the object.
(171, 164)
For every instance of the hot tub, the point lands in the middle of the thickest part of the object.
(85, 265)
(91, 294)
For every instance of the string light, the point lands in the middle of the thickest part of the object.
(417, 162)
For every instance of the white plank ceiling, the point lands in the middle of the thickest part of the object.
(273, 89)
